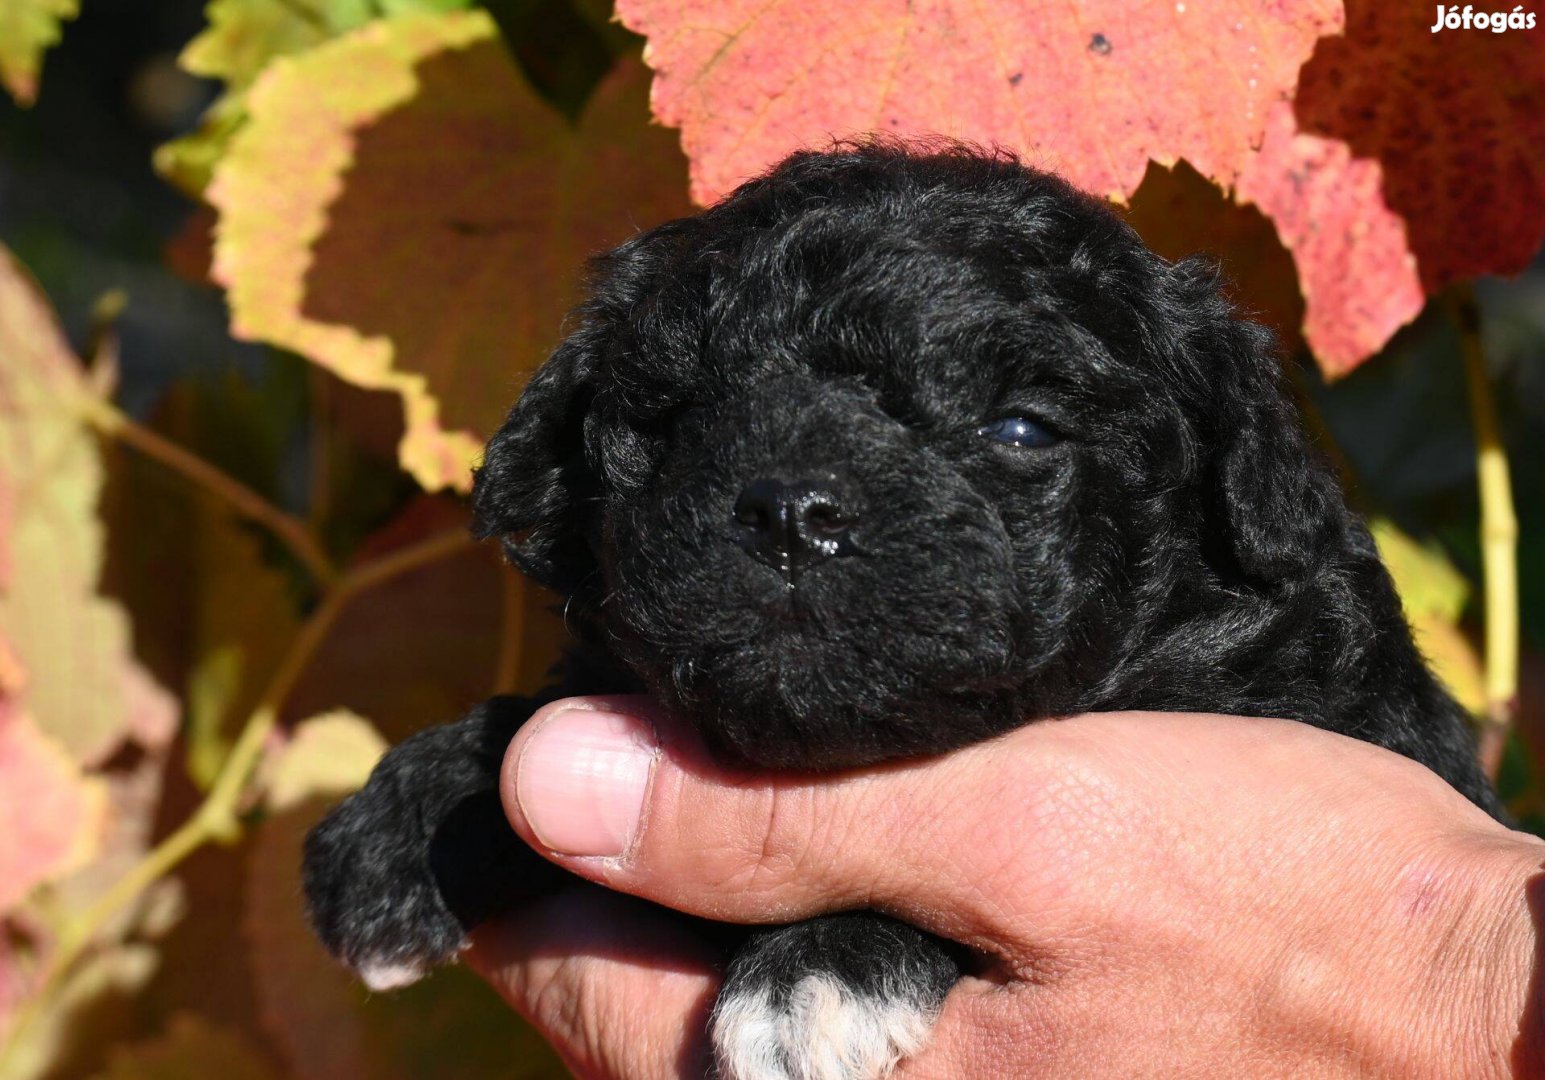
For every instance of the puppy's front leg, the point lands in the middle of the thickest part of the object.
(842, 997)
(399, 873)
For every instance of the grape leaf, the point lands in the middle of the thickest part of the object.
(307, 1003)
(243, 622)
(329, 754)
(191, 1049)
(1179, 213)
(1408, 161)
(51, 816)
(1405, 161)
(27, 29)
(84, 687)
(413, 148)
(1092, 90)
(1359, 281)
(241, 37)
(1457, 121)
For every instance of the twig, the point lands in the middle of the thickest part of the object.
(217, 816)
(1499, 537)
(291, 531)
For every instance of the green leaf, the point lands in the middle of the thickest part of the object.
(27, 29)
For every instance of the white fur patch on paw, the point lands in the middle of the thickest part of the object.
(826, 1032)
(389, 976)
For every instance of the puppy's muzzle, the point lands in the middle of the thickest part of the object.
(791, 526)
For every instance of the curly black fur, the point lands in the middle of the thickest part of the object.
(841, 331)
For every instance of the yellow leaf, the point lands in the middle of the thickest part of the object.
(330, 755)
(27, 29)
(1427, 582)
(413, 147)
(1434, 594)
(84, 687)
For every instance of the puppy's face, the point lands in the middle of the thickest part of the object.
(883, 455)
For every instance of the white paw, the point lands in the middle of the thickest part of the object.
(826, 1032)
(386, 975)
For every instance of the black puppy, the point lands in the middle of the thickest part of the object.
(890, 451)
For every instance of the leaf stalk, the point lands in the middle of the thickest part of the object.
(1498, 536)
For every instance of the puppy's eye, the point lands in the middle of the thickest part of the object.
(1018, 431)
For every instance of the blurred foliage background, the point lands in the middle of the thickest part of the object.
(233, 562)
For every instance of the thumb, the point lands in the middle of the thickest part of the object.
(616, 791)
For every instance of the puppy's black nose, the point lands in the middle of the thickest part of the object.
(792, 525)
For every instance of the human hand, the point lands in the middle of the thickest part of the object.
(1157, 894)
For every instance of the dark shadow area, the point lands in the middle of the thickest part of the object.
(82, 208)
(1179, 212)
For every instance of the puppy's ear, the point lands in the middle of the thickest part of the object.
(534, 484)
(1276, 506)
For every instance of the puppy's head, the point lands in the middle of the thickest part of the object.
(892, 450)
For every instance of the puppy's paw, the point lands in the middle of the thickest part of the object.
(372, 896)
(844, 997)
(819, 1030)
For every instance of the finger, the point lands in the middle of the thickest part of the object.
(620, 988)
(623, 990)
(615, 791)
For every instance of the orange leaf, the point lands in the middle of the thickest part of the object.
(404, 210)
(1092, 90)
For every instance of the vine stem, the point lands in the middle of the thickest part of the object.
(217, 817)
(111, 421)
(1499, 537)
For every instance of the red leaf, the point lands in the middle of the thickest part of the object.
(1457, 121)
(1092, 90)
(1358, 278)
(1406, 161)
